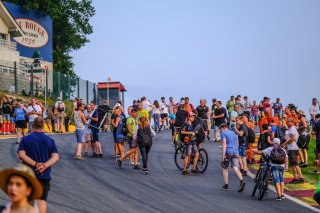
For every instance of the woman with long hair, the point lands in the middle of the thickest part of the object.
(144, 141)
(20, 119)
(156, 115)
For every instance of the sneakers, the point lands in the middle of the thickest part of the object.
(244, 173)
(283, 197)
(208, 137)
(145, 171)
(293, 181)
(195, 172)
(100, 155)
(242, 185)
(225, 187)
(94, 155)
(86, 154)
(137, 167)
(278, 199)
(185, 172)
(301, 180)
(78, 157)
(119, 162)
(303, 165)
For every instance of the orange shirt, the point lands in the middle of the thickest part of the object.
(266, 120)
(250, 125)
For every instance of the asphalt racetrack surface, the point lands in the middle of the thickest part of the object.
(98, 185)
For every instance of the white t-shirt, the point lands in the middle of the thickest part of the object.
(293, 145)
(164, 108)
(247, 106)
(37, 108)
(314, 109)
(155, 110)
(268, 151)
(56, 105)
(87, 130)
(147, 105)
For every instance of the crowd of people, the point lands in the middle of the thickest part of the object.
(284, 137)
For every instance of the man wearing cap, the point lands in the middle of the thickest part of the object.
(190, 145)
(39, 151)
(304, 138)
(279, 162)
(59, 109)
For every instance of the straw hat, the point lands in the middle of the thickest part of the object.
(24, 171)
(301, 112)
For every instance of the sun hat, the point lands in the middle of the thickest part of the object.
(26, 172)
(301, 112)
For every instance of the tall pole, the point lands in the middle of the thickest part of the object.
(31, 82)
(46, 89)
(15, 77)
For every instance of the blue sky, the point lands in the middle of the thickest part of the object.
(206, 48)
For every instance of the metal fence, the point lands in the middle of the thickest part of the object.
(35, 81)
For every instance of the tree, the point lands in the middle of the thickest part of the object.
(70, 27)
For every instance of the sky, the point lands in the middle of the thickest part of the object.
(206, 49)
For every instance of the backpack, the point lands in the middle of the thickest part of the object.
(60, 107)
(262, 142)
(184, 138)
(279, 133)
(122, 128)
(278, 156)
(251, 135)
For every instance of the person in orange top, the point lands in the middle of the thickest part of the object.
(292, 113)
(268, 118)
(188, 106)
(250, 154)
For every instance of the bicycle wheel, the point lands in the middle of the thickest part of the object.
(264, 185)
(257, 180)
(179, 158)
(203, 160)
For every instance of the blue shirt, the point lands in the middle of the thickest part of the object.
(274, 130)
(39, 147)
(232, 142)
(20, 114)
(95, 115)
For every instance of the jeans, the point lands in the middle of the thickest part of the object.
(277, 174)
(144, 150)
(156, 120)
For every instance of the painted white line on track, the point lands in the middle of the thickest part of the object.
(295, 200)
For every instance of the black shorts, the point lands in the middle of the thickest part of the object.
(303, 142)
(46, 188)
(21, 124)
(163, 115)
(293, 157)
(95, 135)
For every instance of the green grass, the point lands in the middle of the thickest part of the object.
(312, 178)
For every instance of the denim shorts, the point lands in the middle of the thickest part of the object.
(277, 174)
(242, 151)
(190, 147)
(80, 135)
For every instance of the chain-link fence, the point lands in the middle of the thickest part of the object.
(34, 80)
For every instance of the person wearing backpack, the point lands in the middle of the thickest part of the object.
(59, 113)
(279, 163)
(119, 136)
(265, 138)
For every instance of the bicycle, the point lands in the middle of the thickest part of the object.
(179, 156)
(262, 178)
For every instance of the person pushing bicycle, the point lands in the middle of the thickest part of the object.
(188, 138)
(279, 163)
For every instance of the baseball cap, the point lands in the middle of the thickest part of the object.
(191, 114)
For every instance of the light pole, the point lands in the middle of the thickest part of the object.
(108, 91)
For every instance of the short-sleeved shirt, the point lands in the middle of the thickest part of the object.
(314, 109)
(217, 112)
(232, 142)
(181, 117)
(131, 123)
(293, 145)
(273, 129)
(6, 108)
(243, 140)
(268, 151)
(20, 114)
(95, 115)
(235, 115)
(277, 107)
(202, 112)
(230, 105)
(164, 108)
(171, 106)
(143, 113)
(34, 108)
(39, 147)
